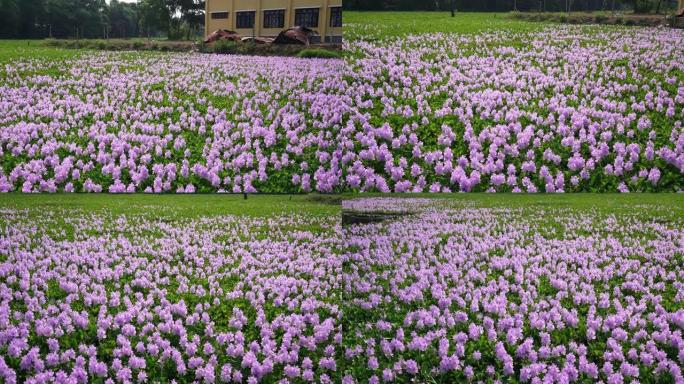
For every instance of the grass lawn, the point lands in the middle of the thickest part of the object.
(11, 50)
(190, 206)
(358, 24)
(649, 203)
(193, 206)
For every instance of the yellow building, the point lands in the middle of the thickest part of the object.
(269, 17)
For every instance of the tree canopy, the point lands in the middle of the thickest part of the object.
(100, 19)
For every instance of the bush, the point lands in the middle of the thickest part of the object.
(225, 46)
(120, 45)
(319, 53)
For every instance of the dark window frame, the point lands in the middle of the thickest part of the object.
(335, 17)
(219, 15)
(274, 18)
(307, 17)
(243, 18)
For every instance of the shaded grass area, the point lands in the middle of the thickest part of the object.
(178, 206)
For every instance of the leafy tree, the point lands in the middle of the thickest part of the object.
(10, 16)
(192, 14)
(123, 19)
(154, 17)
(30, 13)
(75, 18)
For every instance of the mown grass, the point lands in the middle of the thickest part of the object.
(176, 206)
(192, 206)
(391, 24)
(647, 203)
(11, 50)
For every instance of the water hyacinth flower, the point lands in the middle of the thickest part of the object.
(481, 293)
(121, 304)
(444, 112)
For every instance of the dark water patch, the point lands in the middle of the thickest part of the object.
(353, 217)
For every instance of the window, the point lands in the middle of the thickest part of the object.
(274, 18)
(306, 17)
(219, 15)
(336, 17)
(245, 19)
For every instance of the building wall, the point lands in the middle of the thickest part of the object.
(290, 6)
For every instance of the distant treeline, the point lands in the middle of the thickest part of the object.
(177, 19)
(640, 6)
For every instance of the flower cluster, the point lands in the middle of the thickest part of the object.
(563, 109)
(108, 298)
(123, 122)
(487, 294)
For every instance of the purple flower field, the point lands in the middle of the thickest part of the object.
(565, 109)
(130, 122)
(559, 110)
(454, 292)
(98, 297)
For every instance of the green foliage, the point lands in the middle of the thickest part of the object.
(123, 19)
(9, 14)
(122, 45)
(11, 50)
(377, 25)
(592, 18)
(184, 206)
(100, 18)
(240, 48)
(225, 46)
(319, 53)
(154, 16)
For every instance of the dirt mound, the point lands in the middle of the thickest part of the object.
(295, 35)
(222, 34)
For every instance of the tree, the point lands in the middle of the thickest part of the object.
(123, 19)
(10, 16)
(30, 14)
(191, 15)
(74, 18)
(154, 17)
